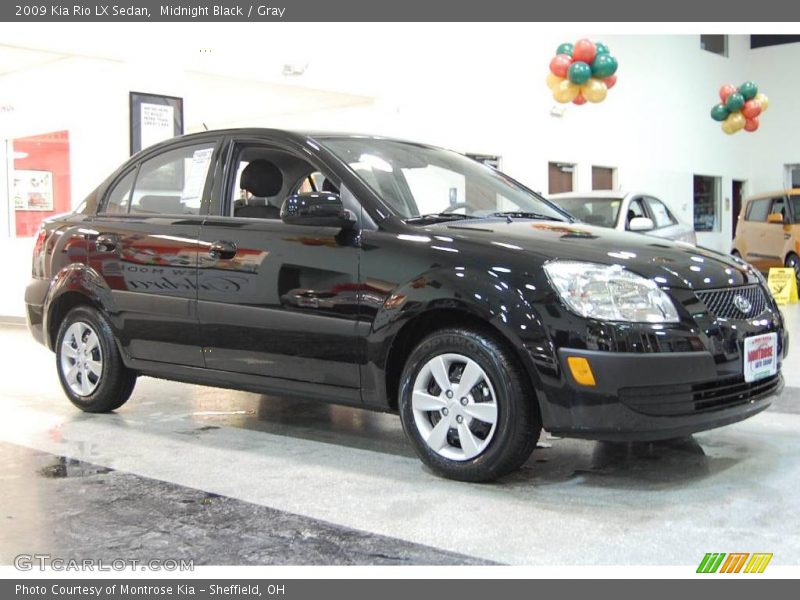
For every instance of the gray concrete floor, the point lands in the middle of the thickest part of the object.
(574, 503)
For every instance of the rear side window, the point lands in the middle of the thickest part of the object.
(119, 197)
(173, 182)
(661, 215)
(758, 210)
(779, 207)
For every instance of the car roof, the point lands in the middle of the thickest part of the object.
(788, 192)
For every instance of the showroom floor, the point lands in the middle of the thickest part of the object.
(180, 469)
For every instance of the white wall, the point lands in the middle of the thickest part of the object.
(472, 87)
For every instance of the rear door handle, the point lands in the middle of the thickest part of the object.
(106, 242)
(222, 249)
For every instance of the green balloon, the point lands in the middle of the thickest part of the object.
(735, 102)
(719, 112)
(602, 48)
(579, 73)
(748, 89)
(565, 48)
(604, 65)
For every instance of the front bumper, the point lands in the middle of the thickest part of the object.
(641, 397)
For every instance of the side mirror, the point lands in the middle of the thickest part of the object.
(775, 218)
(317, 209)
(641, 224)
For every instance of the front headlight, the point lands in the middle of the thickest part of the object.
(610, 293)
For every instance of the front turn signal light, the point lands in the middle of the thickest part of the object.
(581, 370)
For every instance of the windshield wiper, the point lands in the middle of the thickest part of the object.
(519, 214)
(442, 216)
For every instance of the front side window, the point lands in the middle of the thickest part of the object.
(417, 181)
(595, 211)
(635, 211)
(173, 182)
(758, 210)
(661, 215)
(794, 207)
(779, 207)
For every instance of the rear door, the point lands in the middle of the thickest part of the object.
(754, 232)
(777, 235)
(144, 245)
(277, 300)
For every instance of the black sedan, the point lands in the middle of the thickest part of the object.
(399, 277)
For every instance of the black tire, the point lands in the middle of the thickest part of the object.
(517, 425)
(114, 385)
(793, 262)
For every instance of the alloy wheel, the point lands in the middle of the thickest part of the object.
(454, 406)
(81, 358)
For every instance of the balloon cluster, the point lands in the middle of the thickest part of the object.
(740, 107)
(582, 72)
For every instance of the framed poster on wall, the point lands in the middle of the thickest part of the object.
(154, 118)
(33, 190)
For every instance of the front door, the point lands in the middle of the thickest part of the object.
(276, 300)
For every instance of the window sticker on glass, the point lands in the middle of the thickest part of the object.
(196, 171)
(660, 214)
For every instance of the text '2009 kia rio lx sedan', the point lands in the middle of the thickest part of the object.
(400, 277)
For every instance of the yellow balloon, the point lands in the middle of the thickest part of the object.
(726, 127)
(565, 91)
(736, 121)
(763, 101)
(594, 90)
(553, 81)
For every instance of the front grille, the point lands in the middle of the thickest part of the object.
(676, 400)
(720, 303)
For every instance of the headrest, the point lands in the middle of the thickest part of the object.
(327, 186)
(261, 178)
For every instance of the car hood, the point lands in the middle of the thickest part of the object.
(672, 264)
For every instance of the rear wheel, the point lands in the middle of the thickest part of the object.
(467, 407)
(89, 365)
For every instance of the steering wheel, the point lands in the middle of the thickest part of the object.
(455, 207)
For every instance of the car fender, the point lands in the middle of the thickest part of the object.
(76, 278)
(505, 308)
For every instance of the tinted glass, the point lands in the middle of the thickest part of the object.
(415, 180)
(661, 215)
(595, 211)
(758, 210)
(173, 182)
(119, 196)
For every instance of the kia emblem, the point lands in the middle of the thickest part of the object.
(743, 304)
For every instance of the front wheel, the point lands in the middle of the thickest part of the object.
(89, 365)
(467, 407)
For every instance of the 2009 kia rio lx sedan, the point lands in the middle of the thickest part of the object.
(398, 277)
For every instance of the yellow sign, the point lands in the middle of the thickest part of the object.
(783, 285)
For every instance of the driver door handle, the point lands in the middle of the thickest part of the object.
(222, 249)
(106, 242)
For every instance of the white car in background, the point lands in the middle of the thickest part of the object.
(625, 211)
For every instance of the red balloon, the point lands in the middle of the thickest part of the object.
(610, 81)
(584, 51)
(751, 124)
(751, 109)
(726, 90)
(579, 100)
(560, 64)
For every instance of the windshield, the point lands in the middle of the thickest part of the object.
(595, 211)
(419, 181)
